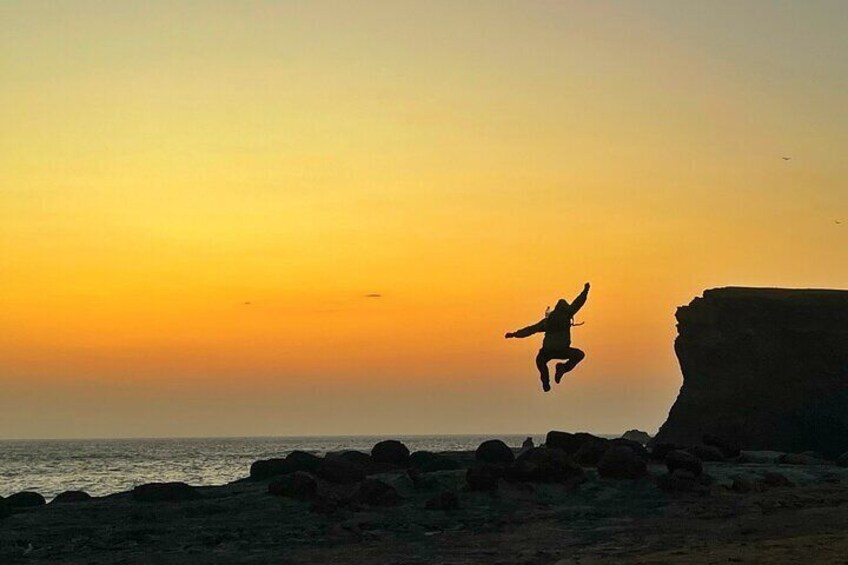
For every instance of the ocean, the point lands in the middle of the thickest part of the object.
(105, 466)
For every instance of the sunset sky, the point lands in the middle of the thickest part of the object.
(165, 163)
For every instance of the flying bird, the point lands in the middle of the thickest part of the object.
(374, 295)
(786, 158)
(837, 221)
(246, 303)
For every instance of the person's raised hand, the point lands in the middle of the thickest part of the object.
(509, 335)
(586, 286)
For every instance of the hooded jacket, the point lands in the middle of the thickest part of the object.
(557, 325)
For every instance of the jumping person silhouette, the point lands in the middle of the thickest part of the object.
(557, 343)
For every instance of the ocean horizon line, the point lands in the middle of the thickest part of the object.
(299, 436)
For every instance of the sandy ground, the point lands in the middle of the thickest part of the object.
(600, 521)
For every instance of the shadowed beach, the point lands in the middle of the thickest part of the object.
(748, 508)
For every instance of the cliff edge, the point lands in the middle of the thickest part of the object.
(765, 368)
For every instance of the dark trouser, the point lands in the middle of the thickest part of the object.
(571, 355)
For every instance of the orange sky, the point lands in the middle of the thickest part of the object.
(163, 163)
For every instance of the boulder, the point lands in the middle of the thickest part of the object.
(327, 503)
(25, 499)
(391, 452)
(483, 476)
(445, 501)
(660, 450)
(745, 485)
(544, 465)
(773, 479)
(568, 442)
(164, 492)
(638, 436)
(494, 451)
(685, 461)
(591, 452)
(339, 471)
(800, 459)
(684, 482)
(301, 461)
(300, 485)
(637, 447)
(621, 462)
(358, 458)
(71, 496)
(375, 492)
(264, 468)
(706, 452)
(729, 449)
(766, 369)
(842, 460)
(428, 462)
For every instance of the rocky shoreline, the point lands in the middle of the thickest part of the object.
(577, 499)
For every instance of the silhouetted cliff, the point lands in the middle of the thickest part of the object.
(766, 368)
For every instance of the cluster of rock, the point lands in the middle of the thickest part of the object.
(355, 479)
(345, 479)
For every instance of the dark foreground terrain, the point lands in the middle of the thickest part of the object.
(743, 509)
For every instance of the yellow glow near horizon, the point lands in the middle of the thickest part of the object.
(161, 164)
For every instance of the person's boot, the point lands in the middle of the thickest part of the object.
(561, 369)
(546, 385)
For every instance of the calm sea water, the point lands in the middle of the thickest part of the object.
(102, 467)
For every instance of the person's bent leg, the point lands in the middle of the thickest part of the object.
(542, 364)
(575, 356)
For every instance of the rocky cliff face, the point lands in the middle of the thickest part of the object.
(767, 368)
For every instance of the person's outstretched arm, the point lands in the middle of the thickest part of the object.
(528, 331)
(580, 300)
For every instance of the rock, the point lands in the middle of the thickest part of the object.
(339, 471)
(544, 465)
(71, 496)
(446, 501)
(681, 481)
(684, 461)
(301, 461)
(706, 452)
(660, 450)
(568, 442)
(591, 452)
(265, 468)
(765, 368)
(483, 476)
(325, 504)
(637, 447)
(774, 479)
(761, 457)
(164, 492)
(358, 458)
(621, 462)
(294, 461)
(842, 460)
(638, 436)
(494, 451)
(25, 499)
(391, 452)
(428, 462)
(375, 492)
(744, 485)
(730, 449)
(800, 459)
(300, 485)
